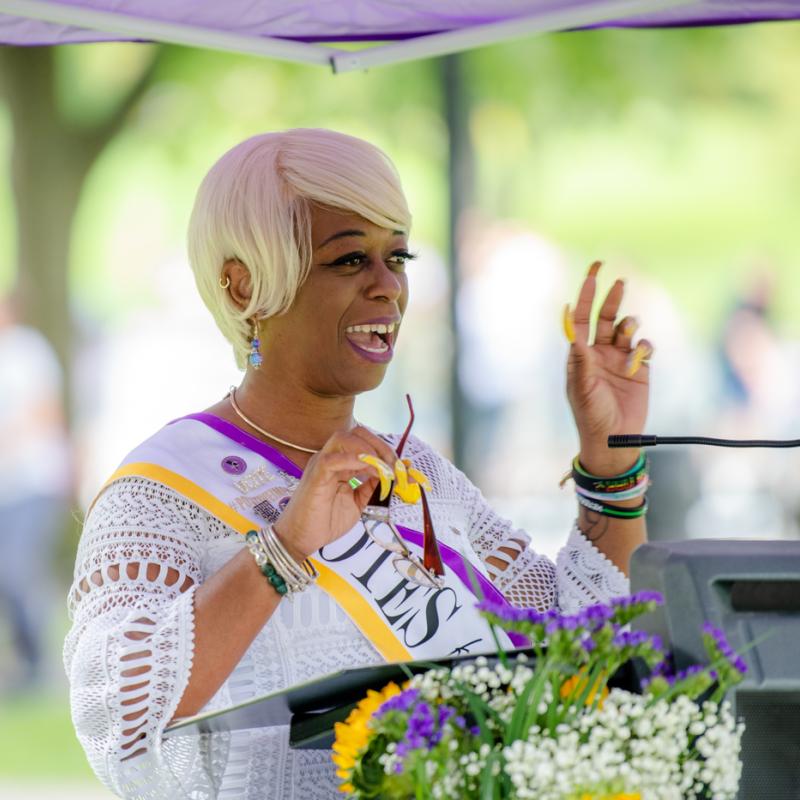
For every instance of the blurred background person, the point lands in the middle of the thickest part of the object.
(746, 493)
(34, 486)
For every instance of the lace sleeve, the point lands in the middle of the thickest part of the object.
(585, 575)
(581, 575)
(128, 655)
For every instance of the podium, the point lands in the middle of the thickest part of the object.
(751, 590)
(312, 708)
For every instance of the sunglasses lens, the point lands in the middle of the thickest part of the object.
(381, 533)
(414, 572)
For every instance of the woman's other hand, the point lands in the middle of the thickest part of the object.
(324, 505)
(608, 380)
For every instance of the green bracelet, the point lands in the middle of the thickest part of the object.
(607, 510)
(267, 568)
(271, 574)
(615, 484)
(640, 464)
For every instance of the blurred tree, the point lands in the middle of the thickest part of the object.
(52, 153)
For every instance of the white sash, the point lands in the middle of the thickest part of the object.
(243, 482)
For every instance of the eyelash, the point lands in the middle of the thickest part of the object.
(348, 259)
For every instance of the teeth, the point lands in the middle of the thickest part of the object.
(373, 328)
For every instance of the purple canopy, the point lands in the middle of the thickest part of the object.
(408, 29)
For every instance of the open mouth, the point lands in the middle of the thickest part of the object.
(374, 338)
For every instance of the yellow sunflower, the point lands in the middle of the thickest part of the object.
(352, 735)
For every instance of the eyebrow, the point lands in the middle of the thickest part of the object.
(352, 232)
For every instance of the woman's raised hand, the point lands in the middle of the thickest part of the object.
(607, 380)
(324, 505)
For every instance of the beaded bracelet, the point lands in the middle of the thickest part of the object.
(297, 576)
(608, 510)
(267, 569)
(277, 565)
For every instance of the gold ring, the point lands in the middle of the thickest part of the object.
(227, 282)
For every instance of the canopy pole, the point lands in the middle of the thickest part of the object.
(460, 192)
(150, 29)
(549, 21)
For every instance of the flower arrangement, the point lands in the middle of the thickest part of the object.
(549, 727)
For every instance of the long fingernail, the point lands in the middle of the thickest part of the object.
(594, 269)
(380, 465)
(635, 360)
(631, 326)
(569, 324)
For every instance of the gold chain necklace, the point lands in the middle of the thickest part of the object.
(232, 396)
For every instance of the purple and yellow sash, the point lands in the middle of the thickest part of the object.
(242, 481)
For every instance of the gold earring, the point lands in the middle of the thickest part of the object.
(227, 282)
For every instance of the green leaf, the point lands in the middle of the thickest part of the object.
(488, 782)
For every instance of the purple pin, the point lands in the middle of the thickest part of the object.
(234, 465)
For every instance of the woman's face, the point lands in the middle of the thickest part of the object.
(339, 335)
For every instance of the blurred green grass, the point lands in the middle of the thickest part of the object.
(37, 741)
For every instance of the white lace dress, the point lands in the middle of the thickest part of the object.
(128, 655)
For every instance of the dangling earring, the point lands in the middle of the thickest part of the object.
(255, 343)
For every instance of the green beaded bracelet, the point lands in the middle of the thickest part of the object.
(271, 574)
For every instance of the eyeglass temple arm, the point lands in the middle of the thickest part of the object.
(431, 557)
(402, 443)
(375, 500)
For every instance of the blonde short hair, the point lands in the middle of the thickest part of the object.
(255, 206)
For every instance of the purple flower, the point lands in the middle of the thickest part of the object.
(509, 613)
(630, 639)
(662, 668)
(426, 726)
(721, 644)
(594, 617)
(689, 672)
(400, 702)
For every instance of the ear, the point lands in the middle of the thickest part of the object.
(240, 289)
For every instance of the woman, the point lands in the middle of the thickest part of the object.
(298, 241)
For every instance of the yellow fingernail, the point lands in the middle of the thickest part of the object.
(420, 477)
(568, 323)
(631, 326)
(384, 473)
(409, 493)
(635, 360)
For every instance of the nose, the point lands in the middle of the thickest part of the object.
(384, 283)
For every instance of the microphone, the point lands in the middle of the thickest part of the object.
(648, 440)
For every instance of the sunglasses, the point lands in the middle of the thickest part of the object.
(378, 525)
